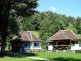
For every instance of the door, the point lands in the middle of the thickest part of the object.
(27, 45)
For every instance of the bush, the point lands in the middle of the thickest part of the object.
(78, 51)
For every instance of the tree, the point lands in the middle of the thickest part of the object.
(70, 26)
(71, 19)
(50, 24)
(78, 24)
(5, 8)
(31, 23)
(13, 24)
(19, 7)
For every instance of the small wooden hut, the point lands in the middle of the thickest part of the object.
(25, 41)
(65, 40)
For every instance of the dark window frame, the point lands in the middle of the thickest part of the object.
(36, 44)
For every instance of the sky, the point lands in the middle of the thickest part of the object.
(67, 7)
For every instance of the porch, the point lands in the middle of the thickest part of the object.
(60, 45)
(20, 46)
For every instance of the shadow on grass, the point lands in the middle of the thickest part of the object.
(27, 54)
(61, 59)
(17, 55)
(9, 55)
(65, 59)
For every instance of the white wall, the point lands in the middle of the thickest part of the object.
(76, 46)
(32, 45)
(50, 48)
(79, 43)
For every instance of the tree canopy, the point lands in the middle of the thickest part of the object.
(48, 23)
(10, 10)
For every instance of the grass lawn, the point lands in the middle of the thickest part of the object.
(36, 33)
(14, 59)
(10, 57)
(61, 56)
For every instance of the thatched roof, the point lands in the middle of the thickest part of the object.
(27, 36)
(64, 35)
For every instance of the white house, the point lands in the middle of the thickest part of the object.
(65, 40)
(26, 41)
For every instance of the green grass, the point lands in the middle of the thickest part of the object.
(11, 57)
(59, 56)
(36, 33)
(62, 56)
(79, 35)
(14, 59)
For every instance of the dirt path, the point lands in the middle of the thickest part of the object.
(37, 58)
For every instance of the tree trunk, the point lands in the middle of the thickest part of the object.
(4, 19)
(3, 42)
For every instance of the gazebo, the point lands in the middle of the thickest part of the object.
(65, 40)
(25, 41)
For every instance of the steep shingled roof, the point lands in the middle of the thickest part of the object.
(64, 35)
(27, 36)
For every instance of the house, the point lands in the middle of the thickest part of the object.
(26, 41)
(65, 40)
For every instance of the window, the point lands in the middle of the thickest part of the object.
(67, 42)
(73, 42)
(36, 44)
(76, 42)
(25, 44)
